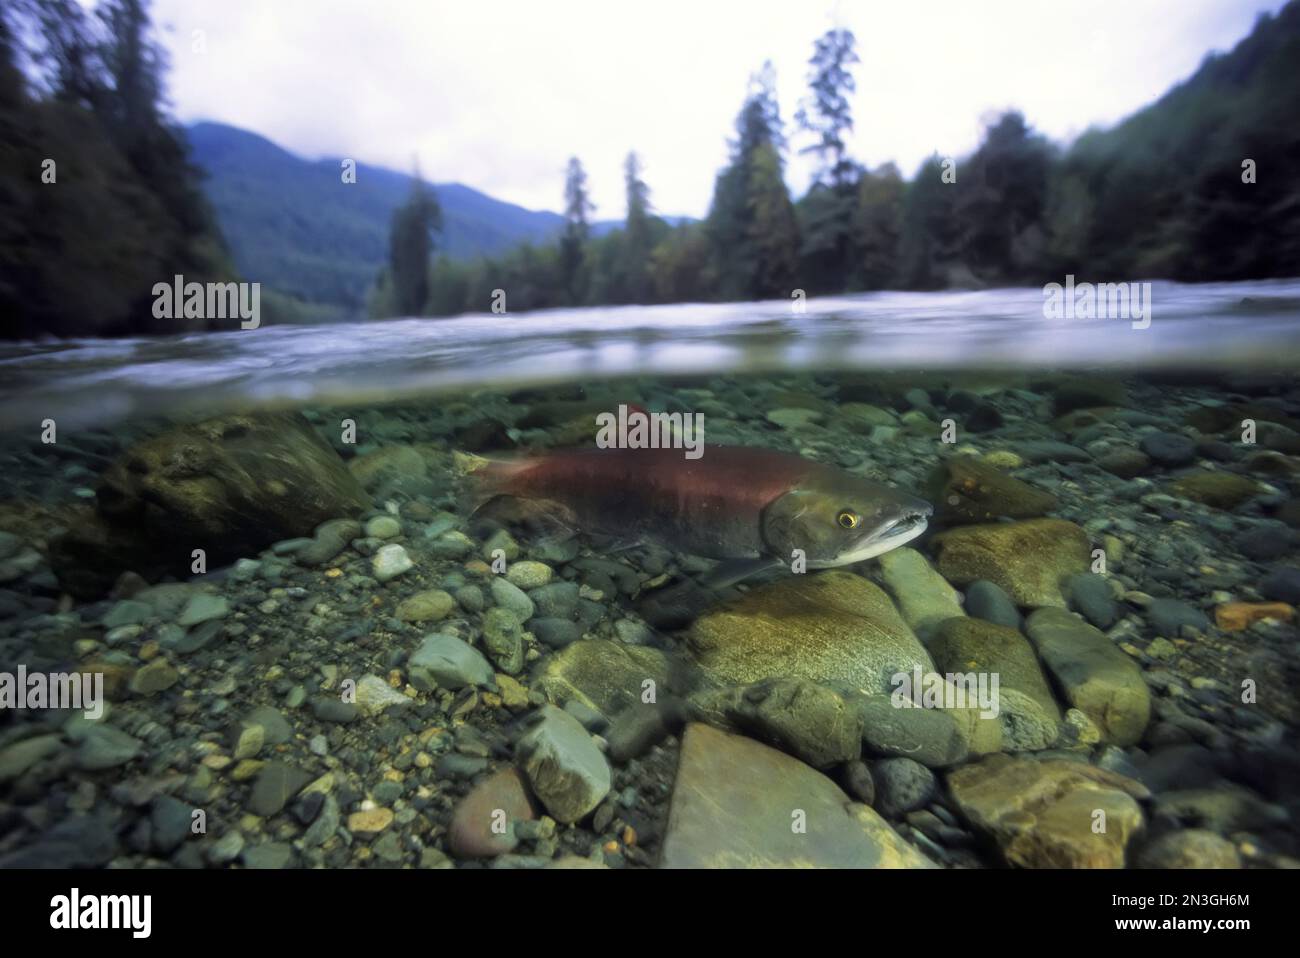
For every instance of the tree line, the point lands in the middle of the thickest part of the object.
(1202, 185)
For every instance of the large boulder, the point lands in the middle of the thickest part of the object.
(1027, 559)
(835, 628)
(1095, 675)
(737, 803)
(1050, 814)
(964, 489)
(230, 486)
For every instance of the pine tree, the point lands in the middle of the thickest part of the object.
(573, 242)
(827, 213)
(410, 247)
(635, 258)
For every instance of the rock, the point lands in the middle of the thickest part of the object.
(275, 785)
(902, 785)
(231, 486)
(157, 676)
(483, 824)
(793, 418)
(832, 627)
(511, 597)
(391, 470)
(18, 757)
(566, 770)
(557, 633)
(374, 696)
(1222, 808)
(105, 746)
(277, 728)
(934, 737)
(446, 661)
(330, 539)
(248, 740)
(808, 721)
(1028, 559)
(922, 595)
(1239, 616)
(169, 819)
(203, 607)
(529, 575)
(428, 606)
(1189, 848)
(1267, 541)
(327, 708)
(325, 825)
(268, 856)
(988, 601)
(964, 489)
(383, 527)
(1090, 595)
(1086, 392)
(737, 803)
(1027, 710)
(503, 638)
(1095, 676)
(390, 562)
(1169, 449)
(1169, 616)
(1125, 462)
(370, 822)
(1282, 584)
(1046, 450)
(1222, 490)
(558, 600)
(127, 612)
(606, 676)
(1041, 813)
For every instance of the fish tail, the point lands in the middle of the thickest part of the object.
(486, 479)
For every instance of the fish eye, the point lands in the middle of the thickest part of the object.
(848, 520)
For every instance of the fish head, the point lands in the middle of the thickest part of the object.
(839, 519)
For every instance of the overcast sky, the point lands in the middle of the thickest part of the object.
(497, 94)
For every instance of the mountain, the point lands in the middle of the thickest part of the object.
(293, 225)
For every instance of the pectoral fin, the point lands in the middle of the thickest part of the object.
(730, 571)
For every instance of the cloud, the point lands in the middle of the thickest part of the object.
(497, 94)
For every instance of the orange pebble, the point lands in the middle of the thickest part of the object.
(1235, 616)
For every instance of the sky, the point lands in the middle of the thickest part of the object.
(497, 94)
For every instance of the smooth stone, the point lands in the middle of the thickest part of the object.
(390, 562)
(503, 638)
(1169, 616)
(964, 489)
(375, 695)
(831, 627)
(1169, 448)
(1027, 559)
(607, 677)
(736, 802)
(483, 823)
(383, 527)
(988, 601)
(1094, 674)
(922, 595)
(566, 770)
(449, 663)
(1041, 813)
(1090, 595)
(529, 575)
(428, 606)
(1189, 848)
(275, 785)
(203, 607)
(902, 785)
(510, 596)
(808, 721)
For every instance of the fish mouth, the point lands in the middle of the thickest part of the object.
(901, 530)
(905, 527)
